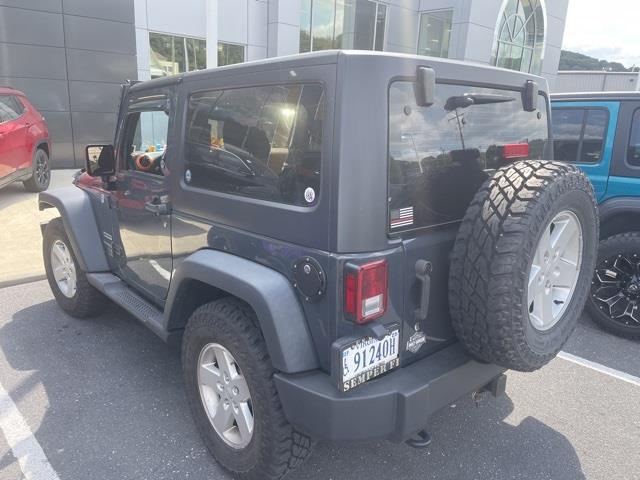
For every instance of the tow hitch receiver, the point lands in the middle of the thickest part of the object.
(423, 440)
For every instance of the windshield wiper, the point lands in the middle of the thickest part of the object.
(468, 99)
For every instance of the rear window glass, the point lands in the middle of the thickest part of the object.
(259, 142)
(440, 155)
(579, 133)
(633, 152)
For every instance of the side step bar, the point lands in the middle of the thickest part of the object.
(122, 295)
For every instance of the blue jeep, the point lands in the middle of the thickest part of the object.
(600, 132)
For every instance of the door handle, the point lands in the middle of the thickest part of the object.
(157, 207)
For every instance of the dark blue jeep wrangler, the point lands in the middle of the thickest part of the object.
(341, 242)
(600, 132)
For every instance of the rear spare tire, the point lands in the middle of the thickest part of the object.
(522, 263)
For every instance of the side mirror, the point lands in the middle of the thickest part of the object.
(426, 87)
(530, 96)
(101, 160)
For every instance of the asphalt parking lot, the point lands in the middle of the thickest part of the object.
(103, 400)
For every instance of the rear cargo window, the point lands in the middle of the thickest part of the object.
(440, 155)
(259, 142)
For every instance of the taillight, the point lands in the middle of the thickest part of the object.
(515, 150)
(365, 291)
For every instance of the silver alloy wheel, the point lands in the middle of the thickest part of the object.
(63, 268)
(554, 271)
(42, 172)
(225, 395)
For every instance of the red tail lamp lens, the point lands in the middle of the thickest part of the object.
(365, 286)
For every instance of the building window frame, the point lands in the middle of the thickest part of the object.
(537, 47)
(375, 25)
(423, 13)
(185, 50)
(309, 27)
(233, 44)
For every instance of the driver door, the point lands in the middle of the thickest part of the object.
(142, 234)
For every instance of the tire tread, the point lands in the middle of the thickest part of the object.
(486, 284)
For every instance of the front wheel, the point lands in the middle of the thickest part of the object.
(229, 383)
(615, 290)
(69, 284)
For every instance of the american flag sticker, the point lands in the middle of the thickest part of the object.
(402, 217)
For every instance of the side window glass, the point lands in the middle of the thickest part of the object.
(145, 141)
(633, 152)
(19, 107)
(9, 108)
(258, 142)
(567, 129)
(595, 128)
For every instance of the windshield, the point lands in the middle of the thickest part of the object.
(440, 155)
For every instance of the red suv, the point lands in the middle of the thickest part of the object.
(24, 142)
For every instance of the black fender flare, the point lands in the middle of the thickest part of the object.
(80, 224)
(267, 291)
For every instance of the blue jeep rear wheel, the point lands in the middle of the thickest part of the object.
(615, 290)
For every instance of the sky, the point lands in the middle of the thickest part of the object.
(607, 30)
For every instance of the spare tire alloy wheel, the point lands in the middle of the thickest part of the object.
(522, 263)
(64, 268)
(615, 289)
(225, 395)
(553, 275)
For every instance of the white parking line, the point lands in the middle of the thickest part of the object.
(26, 449)
(612, 372)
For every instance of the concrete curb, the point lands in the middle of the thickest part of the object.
(12, 282)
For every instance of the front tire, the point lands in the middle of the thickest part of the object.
(68, 282)
(229, 383)
(41, 177)
(614, 303)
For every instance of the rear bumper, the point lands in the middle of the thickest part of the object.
(393, 407)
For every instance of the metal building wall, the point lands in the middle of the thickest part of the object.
(69, 57)
(569, 81)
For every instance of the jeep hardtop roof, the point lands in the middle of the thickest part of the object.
(586, 96)
(446, 70)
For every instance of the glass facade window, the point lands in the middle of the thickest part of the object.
(452, 146)
(578, 134)
(348, 24)
(230, 53)
(171, 55)
(519, 36)
(435, 33)
(258, 142)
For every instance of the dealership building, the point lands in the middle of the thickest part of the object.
(70, 56)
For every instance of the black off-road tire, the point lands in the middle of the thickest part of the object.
(627, 244)
(87, 301)
(492, 257)
(39, 182)
(276, 447)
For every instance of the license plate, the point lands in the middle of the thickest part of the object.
(368, 358)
